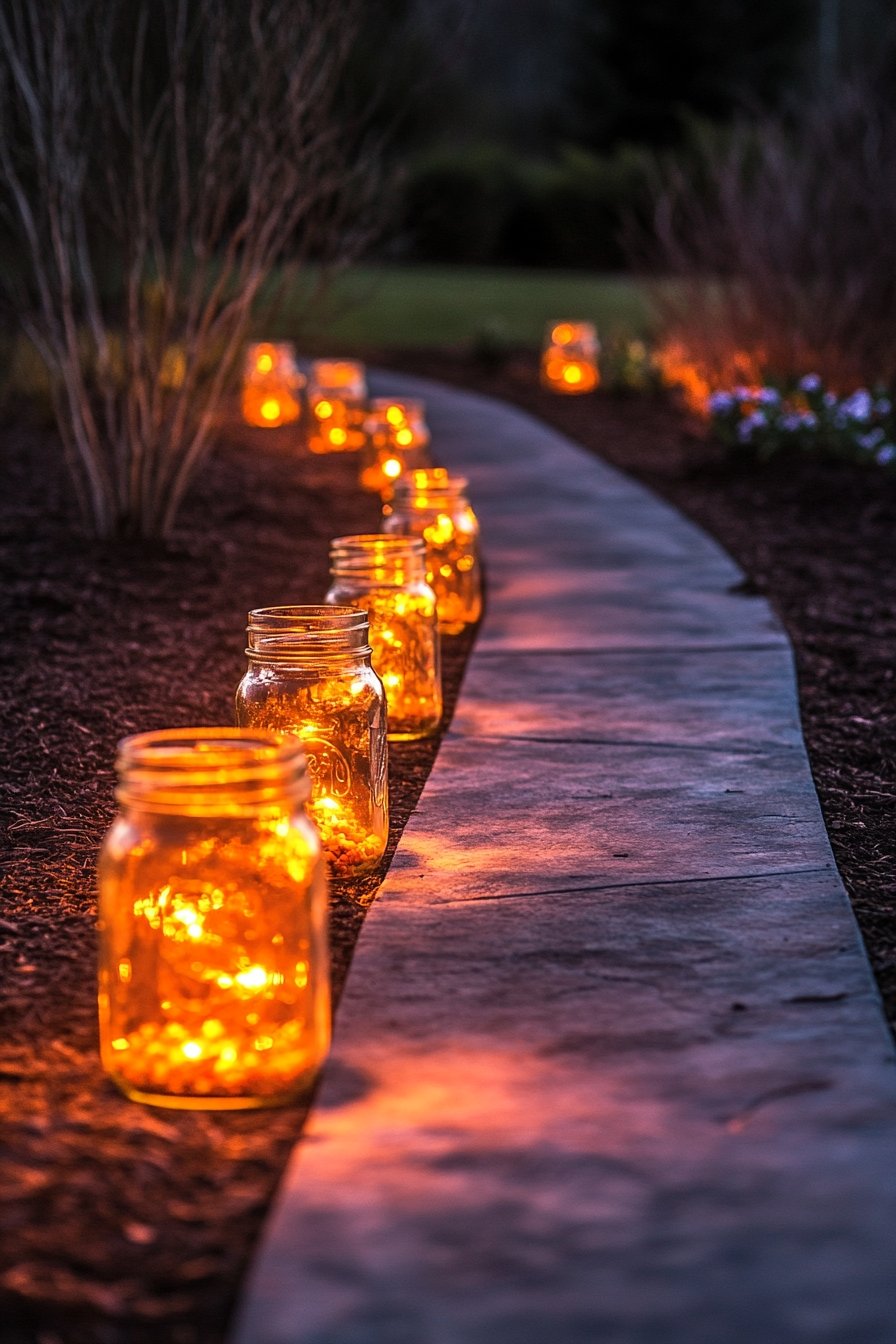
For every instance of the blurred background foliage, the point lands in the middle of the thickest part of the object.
(530, 134)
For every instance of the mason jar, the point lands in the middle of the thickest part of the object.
(213, 966)
(337, 405)
(386, 577)
(272, 384)
(433, 505)
(397, 441)
(310, 674)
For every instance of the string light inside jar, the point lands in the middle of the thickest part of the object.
(397, 441)
(272, 385)
(310, 674)
(569, 357)
(433, 505)
(337, 405)
(386, 577)
(214, 977)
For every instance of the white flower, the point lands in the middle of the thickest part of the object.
(720, 402)
(885, 454)
(858, 406)
(810, 383)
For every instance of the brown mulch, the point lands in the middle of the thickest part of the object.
(818, 540)
(120, 1224)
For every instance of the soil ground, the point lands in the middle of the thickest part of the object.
(120, 1224)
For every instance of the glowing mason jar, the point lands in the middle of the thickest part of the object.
(272, 385)
(433, 505)
(337, 406)
(310, 674)
(214, 976)
(569, 357)
(386, 577)
(397, 441)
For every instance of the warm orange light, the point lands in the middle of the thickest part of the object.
(569, 357)
(433, 505)
(323, 410)
(397, 440)
(386, 576)
(338, 437)
(211, 880)
(271, 385)
(309, 675)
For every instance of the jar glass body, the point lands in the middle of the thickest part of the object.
(214, 976)
(301, 681)
(337, 406)
(569, 357)
(434, 506)
(404, 633)
(272, 385)
(396, 442)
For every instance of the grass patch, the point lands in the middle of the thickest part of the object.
(419, 306)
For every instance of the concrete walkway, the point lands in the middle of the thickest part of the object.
(610, 1067)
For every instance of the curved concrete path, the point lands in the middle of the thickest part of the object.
(610, 1067)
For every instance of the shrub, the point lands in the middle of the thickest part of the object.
(157, 159)
(483, 205)
(782, 238)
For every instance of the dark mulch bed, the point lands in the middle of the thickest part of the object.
(120, 1224)
(818, 539)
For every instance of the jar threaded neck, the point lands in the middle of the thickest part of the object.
(307, 634)
(210, 771)
(378, 558)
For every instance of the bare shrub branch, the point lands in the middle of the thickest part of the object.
(159, 159)
(781, 237)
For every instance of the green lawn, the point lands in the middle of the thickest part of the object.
(444, 305)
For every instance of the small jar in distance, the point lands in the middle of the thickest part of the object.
(386, 577)
(337, 405)
(213, 968)
(310, 674)
(433, 505)
(397, 441)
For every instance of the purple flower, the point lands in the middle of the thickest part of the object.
(768, 396)
(885, 454)
(750, 422)
(871, 440)
(883, 406)
(859, 406)
(720, 402)
(811, 382)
